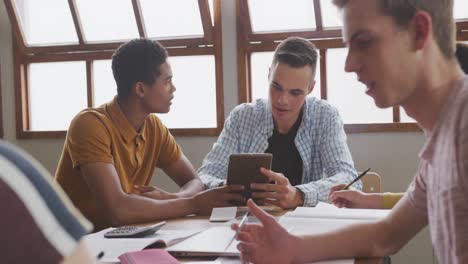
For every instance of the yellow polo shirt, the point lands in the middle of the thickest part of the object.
(390, 199)
(104, 134)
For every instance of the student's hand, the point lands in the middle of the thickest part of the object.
(265, 243)
(224, 196)
(153, 192)
(281, 193)
(354, 198)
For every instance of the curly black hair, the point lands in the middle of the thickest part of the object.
(137, 60)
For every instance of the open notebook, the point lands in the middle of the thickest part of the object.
(114, 247)
(215, 241)
(326, 217)
(326, 210)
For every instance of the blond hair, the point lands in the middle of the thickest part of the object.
(440, 11)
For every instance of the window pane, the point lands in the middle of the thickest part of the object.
(46, 22)
(330, 15)
(194, 104)
(57, 92)
(107, 20)
(210, 2)
(104, 84)
(460, 9)
(348, 95)
(261, 62)
(404, 118)
(267, 15)
(171, 18)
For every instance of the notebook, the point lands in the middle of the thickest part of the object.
(326, 217)
(326, 210)
(115, 247)
(148, 256)
(215, 241)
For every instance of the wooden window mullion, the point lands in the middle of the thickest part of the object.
(206, 19)
(396, 114)
(90, 82)
(76, 21)
(243, 55)
(139, 18)
(323, 74)
(243, 16)
(218, 52)
(318, 15)
(14, 20)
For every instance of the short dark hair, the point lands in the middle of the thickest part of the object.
(441, 12)
(296, 52)
(462, 56)
(137, 60)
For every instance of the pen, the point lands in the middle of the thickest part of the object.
(356, 179)
(100, 255)
(242, 222)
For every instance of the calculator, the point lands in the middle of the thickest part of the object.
(133, 231)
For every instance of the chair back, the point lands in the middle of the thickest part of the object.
(371, 183)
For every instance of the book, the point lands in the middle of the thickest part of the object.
(114, 247)
(215, 241)
(148, 256)
(326, 210)
(326, 217)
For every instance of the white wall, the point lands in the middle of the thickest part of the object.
(392, 155)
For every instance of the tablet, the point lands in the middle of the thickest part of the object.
(244, 169)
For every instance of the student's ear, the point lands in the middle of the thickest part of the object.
(422, 28)
(311, 87)
(269, 73)
(139, 89)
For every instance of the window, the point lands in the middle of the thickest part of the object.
(259, 32)
(197, 106)
(57, 92)
(38, 20)
(348, 95)
(275, 19)
(99, 26)
(63, 49)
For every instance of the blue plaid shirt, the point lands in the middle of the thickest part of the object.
(320, 140)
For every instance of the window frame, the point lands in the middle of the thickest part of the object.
(324, 39)
(209, 44)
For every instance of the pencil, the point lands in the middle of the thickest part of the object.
(356, 179)
(242, 222)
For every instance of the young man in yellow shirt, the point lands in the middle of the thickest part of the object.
(111, 151)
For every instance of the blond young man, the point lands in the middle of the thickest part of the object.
(403, 51)
(304, 134)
